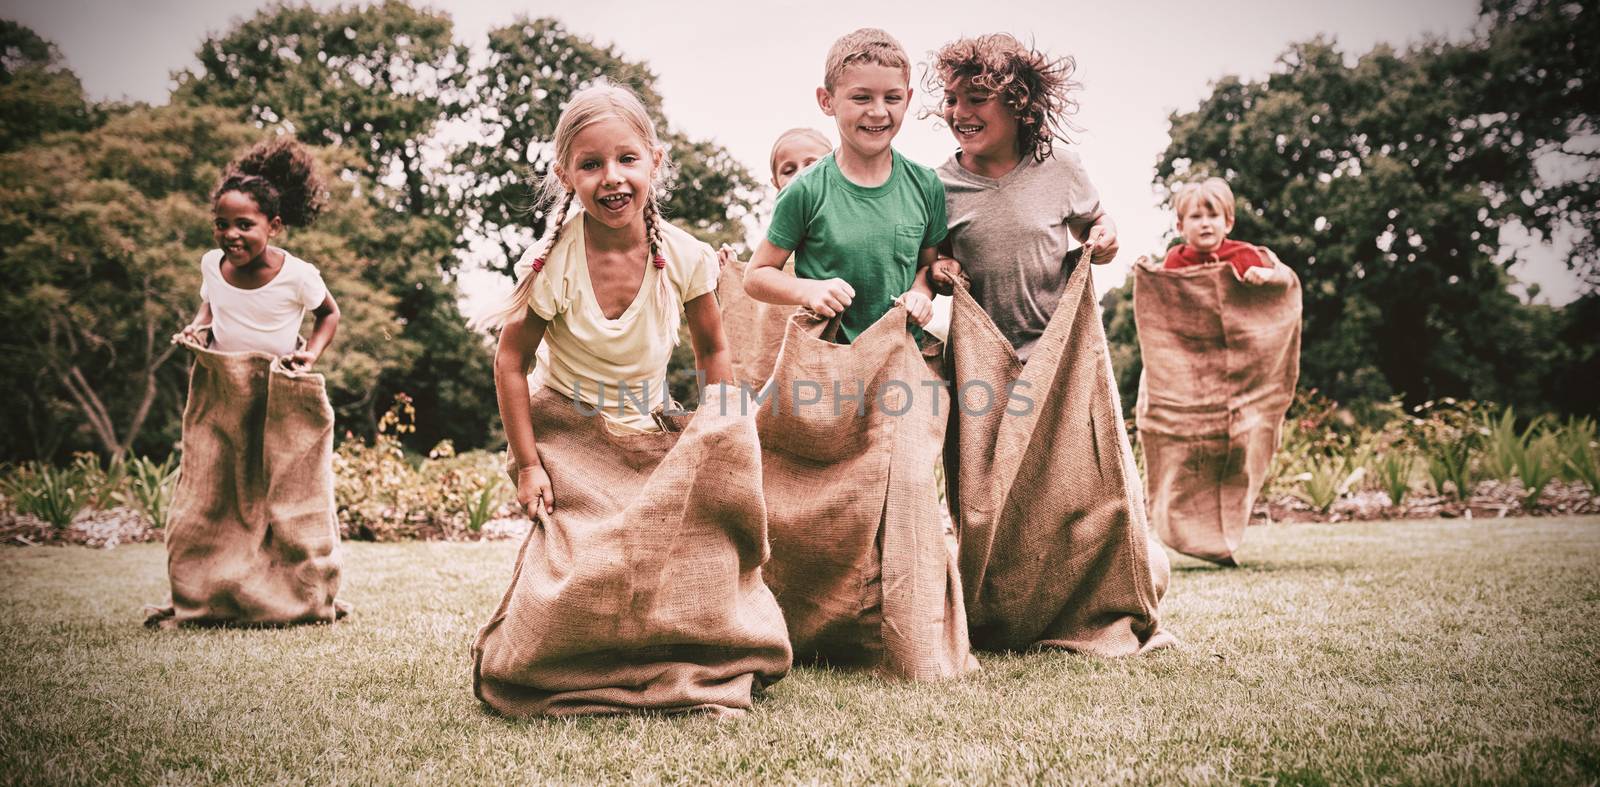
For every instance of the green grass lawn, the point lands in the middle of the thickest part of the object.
(1433, 652)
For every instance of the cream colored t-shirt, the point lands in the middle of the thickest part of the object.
(616, 366)
(266, 319)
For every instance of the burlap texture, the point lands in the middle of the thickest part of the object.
(253, 535)
(643, 590)
(860, 564)
(754, 329)
(1221, 360)
(1055, 549)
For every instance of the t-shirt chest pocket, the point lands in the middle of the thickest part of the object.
(907, 242)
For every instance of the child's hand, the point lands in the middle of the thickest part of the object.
(300, 359)
(1103, 239)
(1258, 275)
(942, 275)
(533, 491)
(828, 297)
(727, 256)
(918, 306)
(194, 332)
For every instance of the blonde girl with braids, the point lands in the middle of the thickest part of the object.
(603, 292)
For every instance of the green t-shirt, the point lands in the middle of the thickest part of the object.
(870, 237)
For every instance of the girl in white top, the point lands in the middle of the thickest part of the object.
(604, 295)
(254, 295)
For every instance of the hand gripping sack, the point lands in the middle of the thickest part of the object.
(253, 535)
(1221, 360)
(1055, 549)
(850, 435)
(643, 590)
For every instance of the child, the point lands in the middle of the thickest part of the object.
(795, 151)
(641, 586)
(1015, 199)
(860, 565)
(864, 222)
(1053, 547)
(253, 296)
(1219, 336)
(756, 329)
(1205, 217)
(253, 534)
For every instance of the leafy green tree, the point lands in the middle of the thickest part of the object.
(532, 70)
(1385, 185)
(376, 78)
(38, 94)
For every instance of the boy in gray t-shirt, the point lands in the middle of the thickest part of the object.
(1013, 199)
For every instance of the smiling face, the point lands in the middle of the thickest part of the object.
(1203, 226)
(793, 155)
(868, 102)
(982, 124)
(610, 168)
(240, 229)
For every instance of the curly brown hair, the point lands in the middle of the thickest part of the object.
(1035, 86)
(281, 176)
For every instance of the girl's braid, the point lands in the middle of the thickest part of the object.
(556, 219)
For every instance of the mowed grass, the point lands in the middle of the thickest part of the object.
(1417, 652)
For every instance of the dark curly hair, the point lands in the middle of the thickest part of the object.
(1035, 86)
(281, 176)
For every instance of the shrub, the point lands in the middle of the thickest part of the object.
(149, 487)
(1393, 470)
(53, 495)
(1578, 458)
(1537, 464)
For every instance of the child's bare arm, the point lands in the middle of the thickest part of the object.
(513, 359)
(711, 354)
(765, 281)
(202, 319)
(322, 331)
(1100, 232)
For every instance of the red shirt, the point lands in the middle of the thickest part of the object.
(1239, 254)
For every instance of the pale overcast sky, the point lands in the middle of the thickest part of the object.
(742, 71)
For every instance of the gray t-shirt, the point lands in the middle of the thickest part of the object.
(1011, 236)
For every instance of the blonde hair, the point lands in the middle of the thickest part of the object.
(795, 133)
(1211, 192)
(598, 102)
(867, 46)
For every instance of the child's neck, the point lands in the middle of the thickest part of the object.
(865, 170)
(996, 165)
(603, 238)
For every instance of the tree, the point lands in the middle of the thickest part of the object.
(1385, 185)
(376, 78)
(533, 69)
(38, 95)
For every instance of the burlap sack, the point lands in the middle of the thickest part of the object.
(1221, 359)
(1055, 549)
(754, 329)
(253, 536)
(849, 439)
(643, 591)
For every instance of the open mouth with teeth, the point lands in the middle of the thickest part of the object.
(969, 131)
(615, 201)
(875, 129)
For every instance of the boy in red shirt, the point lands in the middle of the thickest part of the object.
(1205, 217)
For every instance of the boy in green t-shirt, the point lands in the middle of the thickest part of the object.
(863, 223)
